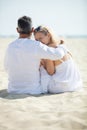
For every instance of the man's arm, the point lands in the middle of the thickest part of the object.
(45, 52)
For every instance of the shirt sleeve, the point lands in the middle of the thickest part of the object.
(45, 52)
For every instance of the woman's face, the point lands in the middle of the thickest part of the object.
(45, 39)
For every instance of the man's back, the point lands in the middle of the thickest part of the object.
(22, 64)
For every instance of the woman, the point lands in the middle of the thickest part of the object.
(61, 75)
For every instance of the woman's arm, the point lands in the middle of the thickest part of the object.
(49, 66)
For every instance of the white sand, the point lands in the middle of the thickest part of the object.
(66, 111)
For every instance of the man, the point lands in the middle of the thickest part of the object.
(22, 60)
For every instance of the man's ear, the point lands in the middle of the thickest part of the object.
(17, 30)
(32, 29)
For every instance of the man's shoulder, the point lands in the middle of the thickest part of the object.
(34, 41)
(11, 44)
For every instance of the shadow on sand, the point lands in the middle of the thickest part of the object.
(11, 96)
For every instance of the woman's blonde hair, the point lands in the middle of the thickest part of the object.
(45, 31)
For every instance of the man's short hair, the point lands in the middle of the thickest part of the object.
(25, 25)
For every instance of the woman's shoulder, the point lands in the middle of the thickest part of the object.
(63, 48)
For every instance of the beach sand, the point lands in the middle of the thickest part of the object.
(65, 111)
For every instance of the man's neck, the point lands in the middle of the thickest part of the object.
(24, 36)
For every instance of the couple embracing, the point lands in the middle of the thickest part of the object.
(43, 65)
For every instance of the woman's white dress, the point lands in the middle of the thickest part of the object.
(66, 78)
